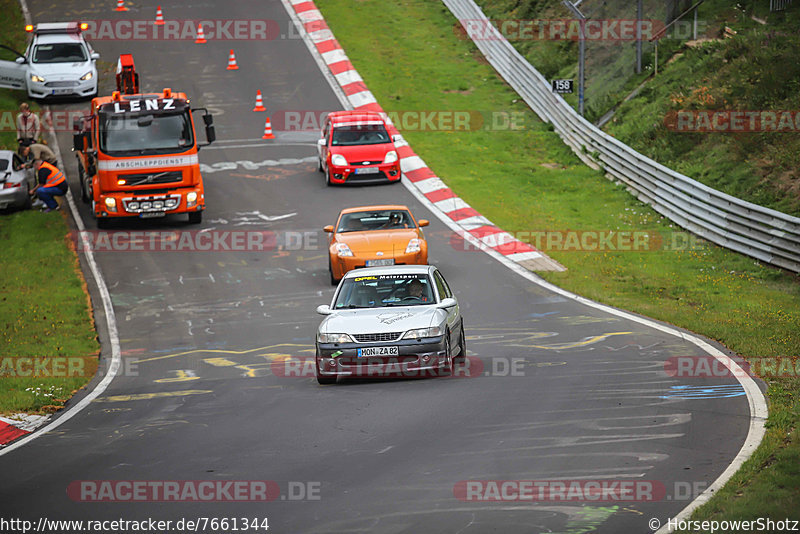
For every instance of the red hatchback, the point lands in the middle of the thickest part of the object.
(356, 148)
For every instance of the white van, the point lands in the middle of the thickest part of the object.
(57, 62)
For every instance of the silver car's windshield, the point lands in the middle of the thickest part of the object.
(378, 291)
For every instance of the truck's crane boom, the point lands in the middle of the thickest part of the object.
(127, 77)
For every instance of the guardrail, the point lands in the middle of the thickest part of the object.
(762, 233)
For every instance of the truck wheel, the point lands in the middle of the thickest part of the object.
(195, 217)
(82, 181)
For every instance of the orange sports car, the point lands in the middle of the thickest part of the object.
(372, 236)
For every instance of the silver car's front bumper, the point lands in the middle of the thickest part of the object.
(416, 359)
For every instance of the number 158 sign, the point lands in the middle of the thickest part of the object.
(562, 86)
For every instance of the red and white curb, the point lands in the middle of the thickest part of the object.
(18, 425)
(479, 228)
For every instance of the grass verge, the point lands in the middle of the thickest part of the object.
(45, 317)
(527, 180)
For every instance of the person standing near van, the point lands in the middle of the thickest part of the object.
(28, 125)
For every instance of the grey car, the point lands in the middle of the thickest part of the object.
(390, 321)
(15, 182)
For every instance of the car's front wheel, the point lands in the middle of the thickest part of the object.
(334, 281)
(449, 368)
(462, 344)
(328, 178)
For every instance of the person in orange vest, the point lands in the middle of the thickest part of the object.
(52, 183)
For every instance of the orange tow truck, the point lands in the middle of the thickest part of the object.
(137, 153)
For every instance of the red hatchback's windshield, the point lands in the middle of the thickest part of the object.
(363, 134)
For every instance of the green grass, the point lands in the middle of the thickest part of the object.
(529, 181)
(44, 311)
(44, 307)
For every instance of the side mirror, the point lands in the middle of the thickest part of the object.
(77, 142)
(19, 60)
(328, 229)
(423, 222)
(94, 55)
(447, 303)
(324, 309)
(321, 142)
(211, 134)
(397, 138)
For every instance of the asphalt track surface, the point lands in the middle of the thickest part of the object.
(198, 398)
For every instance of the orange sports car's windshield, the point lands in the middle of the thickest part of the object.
(360, 221)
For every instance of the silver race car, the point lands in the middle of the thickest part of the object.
(15, 182)
(390, 321)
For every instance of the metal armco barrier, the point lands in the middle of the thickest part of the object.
(767, 235)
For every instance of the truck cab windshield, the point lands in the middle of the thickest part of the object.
(139, 134)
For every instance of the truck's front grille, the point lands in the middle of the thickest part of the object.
(151, 178)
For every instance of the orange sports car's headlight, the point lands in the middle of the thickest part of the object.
(342, 250)
(415, 245)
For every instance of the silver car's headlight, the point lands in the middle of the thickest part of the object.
(87, 76)
(37, 78)
(339, 160)
(433, 331)
(334, 338)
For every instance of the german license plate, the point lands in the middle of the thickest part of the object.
(380, 263)
(152, 214)
(62, 91)
(366, 352)
(368, 170)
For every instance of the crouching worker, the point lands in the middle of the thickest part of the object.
(52, 182)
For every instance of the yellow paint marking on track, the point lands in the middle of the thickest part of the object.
(181, 376)
(276, 356)
(252, 368)
(148, 396)
(311, 258)
(220, 351)
(219, 362)
(588, 341)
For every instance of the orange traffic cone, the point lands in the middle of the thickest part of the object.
(268, 130)
(232, 62)
(201, 37)
(121, 5)
(259, 102)
(159, 17)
